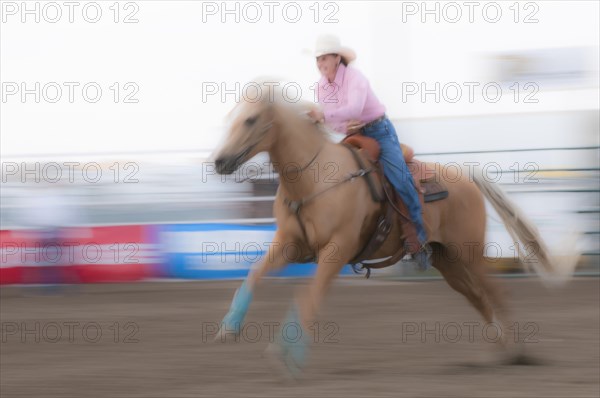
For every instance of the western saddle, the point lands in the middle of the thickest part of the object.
(429, 187)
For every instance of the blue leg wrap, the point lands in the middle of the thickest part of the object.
(237, 311)
(294, 342)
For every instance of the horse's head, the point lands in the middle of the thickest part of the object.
(250, 133)
(262, 124)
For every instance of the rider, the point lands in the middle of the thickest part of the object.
(349, 105)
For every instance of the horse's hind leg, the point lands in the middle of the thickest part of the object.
(469, 279)
(513, 347)
(492, 291)
(461, 278)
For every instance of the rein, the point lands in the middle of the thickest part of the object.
(266, 128)
(296, 205)
(242, 154)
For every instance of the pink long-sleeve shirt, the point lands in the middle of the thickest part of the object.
(348, 97)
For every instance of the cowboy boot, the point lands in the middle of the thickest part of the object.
(420, 252)
(409, 232)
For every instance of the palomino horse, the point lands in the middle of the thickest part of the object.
(325, 211)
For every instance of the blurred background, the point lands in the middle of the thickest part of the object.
(114, 112)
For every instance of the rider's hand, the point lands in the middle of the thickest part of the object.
(316, 115)
(354, 125)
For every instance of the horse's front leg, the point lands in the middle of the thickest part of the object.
(273, 260)
(292, 350)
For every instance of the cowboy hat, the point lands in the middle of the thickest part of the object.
(330, 44)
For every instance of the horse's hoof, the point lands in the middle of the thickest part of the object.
(517, 355)
(226, 336)
(231, 327)
(281, 363)
(522, 359)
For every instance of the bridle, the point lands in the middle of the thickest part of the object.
(296, 205)
(262, 133)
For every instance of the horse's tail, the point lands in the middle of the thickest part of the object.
(533, 252)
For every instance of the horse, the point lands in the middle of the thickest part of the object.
(325, 212)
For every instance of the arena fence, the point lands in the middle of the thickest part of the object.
(171, 225)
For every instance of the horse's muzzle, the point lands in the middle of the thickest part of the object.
(229, 164)
(226, 165)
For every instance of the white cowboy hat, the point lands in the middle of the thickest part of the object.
(330, 44)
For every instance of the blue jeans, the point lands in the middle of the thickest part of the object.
(396, 170)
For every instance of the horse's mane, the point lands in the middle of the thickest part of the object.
(301, 109)
(272, 94)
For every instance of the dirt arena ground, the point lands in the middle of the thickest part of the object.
(375, 338)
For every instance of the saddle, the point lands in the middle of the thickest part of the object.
(429, 188)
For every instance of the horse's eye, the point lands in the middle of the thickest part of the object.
(250, 121)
